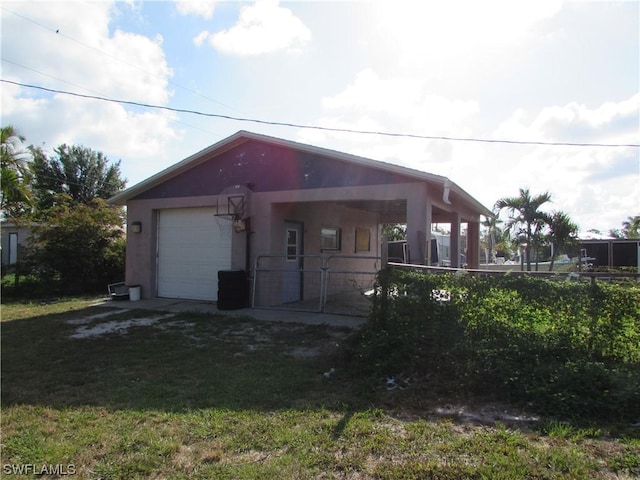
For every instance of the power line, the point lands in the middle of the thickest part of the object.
(49, 76)
(326, 129)
(88, 89)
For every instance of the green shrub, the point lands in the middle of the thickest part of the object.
(29, 286)
(79, 248)
(570, 349)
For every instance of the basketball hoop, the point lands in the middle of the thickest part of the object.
(224, 222)
(234, 217)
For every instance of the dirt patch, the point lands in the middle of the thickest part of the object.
(119, 327)
(305, 352)
(487, 414)
(91, 318)
(298, 341)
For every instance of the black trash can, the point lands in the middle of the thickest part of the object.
(233, 289)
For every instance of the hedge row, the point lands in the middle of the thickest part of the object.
(570, 349)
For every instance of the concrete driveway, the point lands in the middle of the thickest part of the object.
(195, 306)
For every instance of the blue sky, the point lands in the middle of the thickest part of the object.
(546, 71)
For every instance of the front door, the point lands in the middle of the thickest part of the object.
(292, 282)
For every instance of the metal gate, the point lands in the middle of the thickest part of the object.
(341, 284)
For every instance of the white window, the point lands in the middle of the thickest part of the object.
(330, 238)
(292, 244)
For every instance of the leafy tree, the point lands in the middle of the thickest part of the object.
(15, 174)
(78, 172)
(80, 246)
(526, 221)
(397, 231)
(78, 240)
(563, 232)
(630, 228)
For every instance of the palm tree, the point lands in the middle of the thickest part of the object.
(562, 233)
(538, 237)
(495, 238)
(525, 218)
(631, 227)
(14, 172)
(504, 243)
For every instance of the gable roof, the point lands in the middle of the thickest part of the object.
(243, 136)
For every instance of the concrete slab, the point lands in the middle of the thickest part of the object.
(268, 315)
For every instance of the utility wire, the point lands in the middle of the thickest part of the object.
(50, 76)
(89, 90)
(326, 129)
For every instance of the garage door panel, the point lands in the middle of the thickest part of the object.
(191, 250)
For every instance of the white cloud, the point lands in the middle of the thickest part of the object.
(87, 58)
(598, 187)
(142, 72)
(443, 29)
(394, 105)
(577, 122)
(404, 101)
(202, 8)
(199, 39)
(611, 122)
(263, 27)
(84, 56)
(370, 92)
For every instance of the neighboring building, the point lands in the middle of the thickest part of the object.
(611, 253)
(14, 238)
(440, 251)
(251, 195)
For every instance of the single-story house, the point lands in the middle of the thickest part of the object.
(287, 205)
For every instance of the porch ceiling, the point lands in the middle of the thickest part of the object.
(382, 207)
(386, 208)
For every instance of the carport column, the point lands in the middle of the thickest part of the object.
(454, 240)
(419, 225)
(473, 244)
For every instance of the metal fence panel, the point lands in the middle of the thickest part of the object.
(280, 282)
(341, 284)
(350, 282)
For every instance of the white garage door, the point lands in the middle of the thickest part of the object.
(191, 250)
